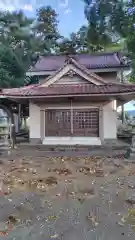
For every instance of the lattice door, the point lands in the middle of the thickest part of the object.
(77, 122)
(58, 122)
(86, 122)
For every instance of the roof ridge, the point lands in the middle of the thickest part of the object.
(80, 54)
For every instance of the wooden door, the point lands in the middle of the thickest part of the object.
(58, 122)
(86, 122)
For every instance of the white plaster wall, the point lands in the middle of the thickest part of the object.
(16, 122)
(109, 125)
(109, 121)
(34, 120)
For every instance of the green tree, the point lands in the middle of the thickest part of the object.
(107, 22)
(130, 39)
(76, 43)
(46, 28)
(12, 48)
(22, 40)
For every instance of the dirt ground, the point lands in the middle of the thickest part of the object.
(66, 198)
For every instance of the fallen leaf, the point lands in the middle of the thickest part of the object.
(99, 172)
(93, 219)
(51, 180)
(123, 220)
(54, 236)
(120, 224)
(81, 200)
(62, 171)
(96, 223)
(87, 191)
(53, 217)
(131, 200)
(12, 219)
(58, 195)
(3, 233)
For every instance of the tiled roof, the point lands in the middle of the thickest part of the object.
(100, 60)
(77, 65)
(65, 90)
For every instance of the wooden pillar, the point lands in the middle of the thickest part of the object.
(19, 117)
(122, 107)
(71, 109)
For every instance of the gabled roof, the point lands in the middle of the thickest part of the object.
(96, 86)
(71, 65)
(90, 61)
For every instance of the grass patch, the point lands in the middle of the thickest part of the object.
(130, 219)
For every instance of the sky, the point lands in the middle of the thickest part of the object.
(70, 15)
(70, 12)
(128, 106)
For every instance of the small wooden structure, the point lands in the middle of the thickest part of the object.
(76, 104)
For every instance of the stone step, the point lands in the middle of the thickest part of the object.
(42, 147)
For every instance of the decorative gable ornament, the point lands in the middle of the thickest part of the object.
(71, 73)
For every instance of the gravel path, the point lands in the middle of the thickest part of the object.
(66, 198)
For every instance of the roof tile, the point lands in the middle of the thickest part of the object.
(100, 60)
(65, 90)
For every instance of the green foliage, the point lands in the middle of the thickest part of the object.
(47, 28)
(130, 219)
(107, 22)
(127, 117)
(22, 40)
(76, 43)
(111, 27)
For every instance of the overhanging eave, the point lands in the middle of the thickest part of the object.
(123, 97)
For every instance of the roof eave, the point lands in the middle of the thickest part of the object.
(71, 95)
(105, 69)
